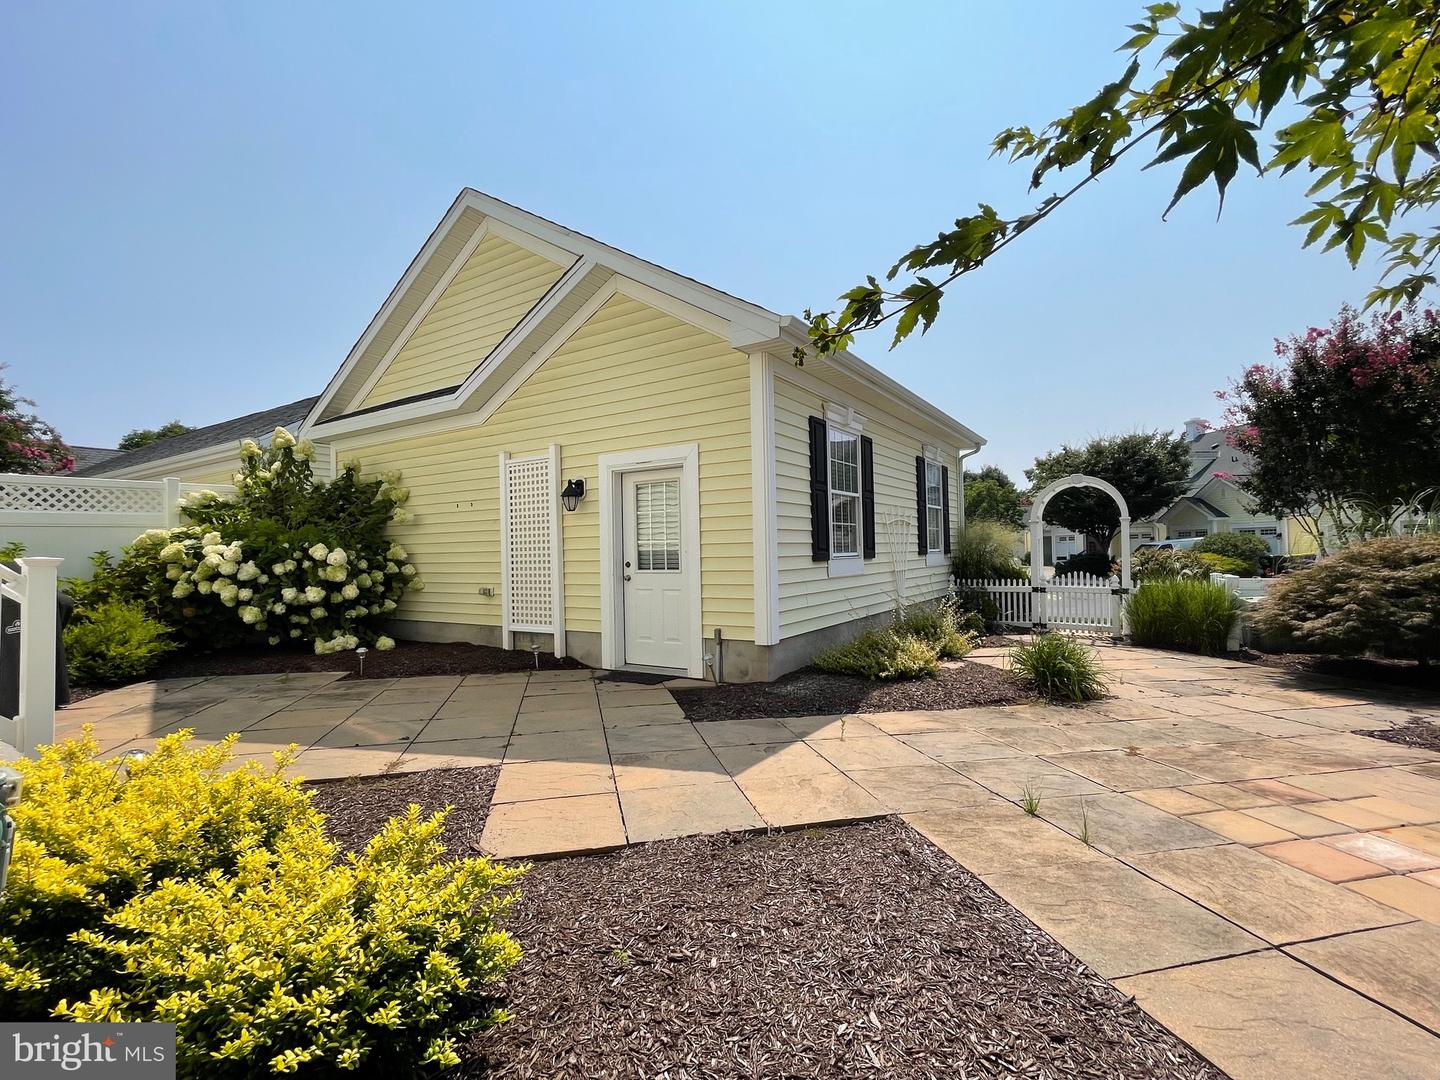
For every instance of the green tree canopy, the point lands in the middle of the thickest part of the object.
(1363, 80)
(1347, 425)
(990, 495)
(27, 443)
(1149, 468)
(133, 440)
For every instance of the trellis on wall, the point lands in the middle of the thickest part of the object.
(531, 586)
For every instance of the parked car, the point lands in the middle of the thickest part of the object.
(1169, 545)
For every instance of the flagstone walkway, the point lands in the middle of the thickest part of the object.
(1212, 838)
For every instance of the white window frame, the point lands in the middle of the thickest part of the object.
(935, 556)
(843, 420)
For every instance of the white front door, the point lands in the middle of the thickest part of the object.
(655, 596)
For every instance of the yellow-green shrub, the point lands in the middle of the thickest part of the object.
(882, 654)
(942, 624)
(213, 900)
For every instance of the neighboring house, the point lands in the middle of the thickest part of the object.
(1213, 500)
(206, 455)
(88, 456)
(739, 511)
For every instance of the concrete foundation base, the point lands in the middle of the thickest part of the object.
(740, 661)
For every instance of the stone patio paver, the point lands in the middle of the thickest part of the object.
(529, 781)
(1297, 821)
(1384, 851)
(711, 807)
(1241, 827)
(1128, 923)
(1407, 893)
(1398, 966)
(1119, 825)
(585, 823)
(1265, 896)
(810, 799)
(1268, 1017)
(909, 789)
(1315, 857)
(995, 836)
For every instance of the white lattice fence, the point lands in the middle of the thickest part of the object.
(528, 515)
(74, 516)
(141, 500)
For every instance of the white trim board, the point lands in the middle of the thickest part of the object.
(765, 526)
(612, 467)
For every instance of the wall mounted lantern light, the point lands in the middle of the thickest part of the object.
(573, 493)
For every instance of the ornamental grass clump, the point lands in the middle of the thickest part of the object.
(172, 890)
(1060, 668)
(287, 560)
(1182, 613)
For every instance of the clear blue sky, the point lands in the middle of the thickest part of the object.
(204, 204)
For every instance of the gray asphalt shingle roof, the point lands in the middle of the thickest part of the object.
(251, 426)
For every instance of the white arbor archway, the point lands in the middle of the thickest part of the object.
(1037, 524)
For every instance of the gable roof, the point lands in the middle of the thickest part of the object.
(85, 456)
(228, 432)
(591, 268)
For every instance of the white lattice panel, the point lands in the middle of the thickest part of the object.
(35, 495)
(530, 491)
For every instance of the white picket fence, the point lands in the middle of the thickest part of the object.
(32, 587)
(1083, 603)
(74, 516)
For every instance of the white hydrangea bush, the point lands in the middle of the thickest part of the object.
(286, 560)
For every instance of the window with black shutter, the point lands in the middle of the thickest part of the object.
(819, 491)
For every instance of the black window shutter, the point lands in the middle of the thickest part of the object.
(867, 492)
(819, 491)
(924, 545)
(945, 505)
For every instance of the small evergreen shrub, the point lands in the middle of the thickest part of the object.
(1225, 564)
(172, 890)
(115, 641)
(882, 654)
(1152, 563)
(12, 551)
(1060, 668)
(1245, 547)
(1182, 613)
(1380, 597)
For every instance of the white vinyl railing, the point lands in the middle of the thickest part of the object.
(32, 587)
(1076, 602)
(76, 516)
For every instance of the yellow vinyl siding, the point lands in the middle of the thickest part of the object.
(810, 599)
(498, 284)
(630, 378)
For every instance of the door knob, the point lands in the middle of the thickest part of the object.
(627, 577)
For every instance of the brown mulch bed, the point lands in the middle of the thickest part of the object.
(811, 692)
(1422, 734)
(1352, 668)
(407, 658)
(357, 808)
(859, 951)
